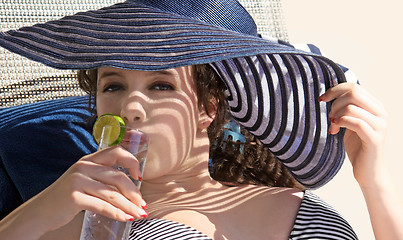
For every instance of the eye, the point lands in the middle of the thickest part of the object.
(162, 86)
(112, 87)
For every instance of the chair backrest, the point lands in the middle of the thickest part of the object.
(23, 81)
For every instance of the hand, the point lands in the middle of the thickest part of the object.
(363, 116)
(92, 184)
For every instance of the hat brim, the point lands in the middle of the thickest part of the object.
(275, 97)
(273, 88)
(132, 36)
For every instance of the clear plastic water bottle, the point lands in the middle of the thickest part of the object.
(98, 227)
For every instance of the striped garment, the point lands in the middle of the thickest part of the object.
(318, 220)
(315, 220)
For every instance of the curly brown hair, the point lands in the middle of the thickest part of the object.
(255, 164)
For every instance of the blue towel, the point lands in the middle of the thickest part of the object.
(38, 143)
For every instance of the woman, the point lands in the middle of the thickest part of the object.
(177, 187)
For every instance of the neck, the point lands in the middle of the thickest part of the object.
(192, 175)
(182, 183)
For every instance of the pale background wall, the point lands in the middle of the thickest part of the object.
(367, 37)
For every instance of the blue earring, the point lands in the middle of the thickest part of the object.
(230, 129)
(234, 130)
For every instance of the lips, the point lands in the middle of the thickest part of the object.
(133, 136)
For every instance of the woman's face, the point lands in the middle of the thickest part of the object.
(162, 104)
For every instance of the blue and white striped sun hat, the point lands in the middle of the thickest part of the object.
(272, 87)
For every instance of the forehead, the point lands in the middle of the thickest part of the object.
(182, 73)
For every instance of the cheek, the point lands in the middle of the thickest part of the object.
(164, 152)
(171, 131)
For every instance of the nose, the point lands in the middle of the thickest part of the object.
(132, 110)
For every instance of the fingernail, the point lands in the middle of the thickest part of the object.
(140, 178)
(334, 120)
(129, 217)
(320, 99)
(143, 213)
(143, 204)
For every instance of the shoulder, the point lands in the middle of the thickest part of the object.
(278, 195)
(275, 208)
(317, 219)
(271, 197)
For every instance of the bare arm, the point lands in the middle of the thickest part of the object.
(91, 183)
(70, 231)
(28, 222)
(385, 209)
(363, 116)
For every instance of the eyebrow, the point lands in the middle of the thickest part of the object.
(162, 72)
(109, 74)
(112, 73)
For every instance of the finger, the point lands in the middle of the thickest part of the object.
(112, 177)
(375, 122)
(116, 155)
(364, 131)
(351, 123)
(109, 195)
(343, 88)
(352, 98)
(336, 91)
(106, 209)
(70, 191)
(117, 179)
(350, 93)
